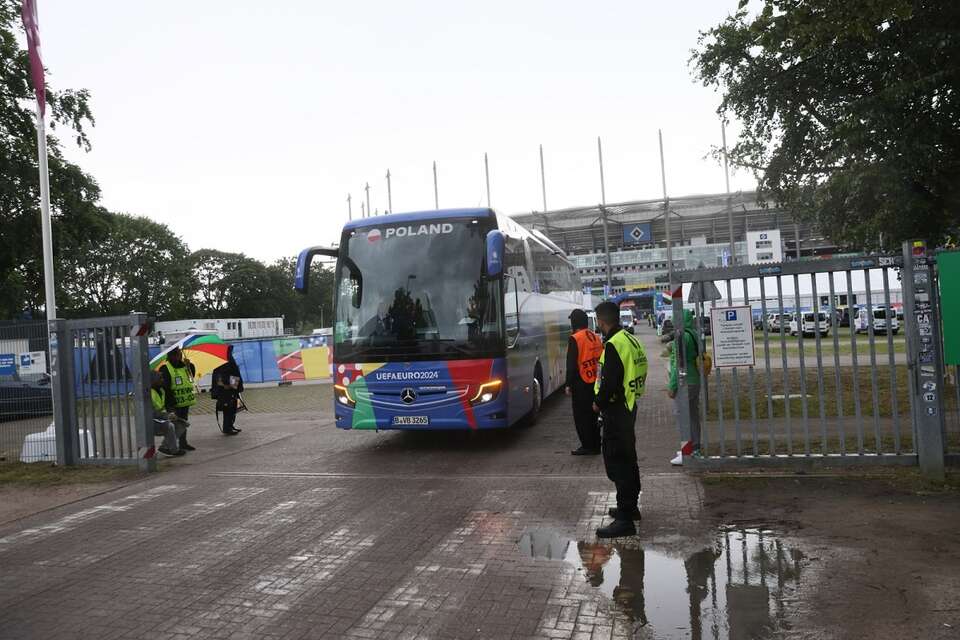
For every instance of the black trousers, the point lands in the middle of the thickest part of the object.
(588, 427)
(620, 456)
(228, 409)
(184, 414)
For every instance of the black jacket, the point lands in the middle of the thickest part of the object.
(222, 374)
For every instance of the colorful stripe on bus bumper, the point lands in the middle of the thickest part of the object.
(453, 394)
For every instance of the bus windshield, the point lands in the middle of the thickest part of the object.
(415, 291)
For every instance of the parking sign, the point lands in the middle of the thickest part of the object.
(732, 329)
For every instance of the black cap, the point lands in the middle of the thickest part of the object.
(578, 318)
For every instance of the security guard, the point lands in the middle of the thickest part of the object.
(178, 374)
(162, 424)
(583, 354)
(621, 380)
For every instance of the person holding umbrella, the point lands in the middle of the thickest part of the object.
(178, 374)
(226, 390)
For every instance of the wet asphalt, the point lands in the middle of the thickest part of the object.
(297, 530)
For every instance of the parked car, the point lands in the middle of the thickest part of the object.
(881, 316)
(777, 322)
(20, 398)
(592, 322)
(810, 323)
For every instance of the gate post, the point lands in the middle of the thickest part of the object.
(140, 374)
(923, 357)
(681, 401)
(63, 392)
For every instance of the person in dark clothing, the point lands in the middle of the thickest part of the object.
(621, 381)
(583, 353)
(178, 374)
(226, 389)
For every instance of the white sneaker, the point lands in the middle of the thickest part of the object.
(678, 461)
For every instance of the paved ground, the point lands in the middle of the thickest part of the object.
(297, 530)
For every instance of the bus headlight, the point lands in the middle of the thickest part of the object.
(487, 392)
(342, 395)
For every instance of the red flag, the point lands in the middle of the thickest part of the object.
(29, 14)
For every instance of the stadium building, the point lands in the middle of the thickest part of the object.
(700, 232)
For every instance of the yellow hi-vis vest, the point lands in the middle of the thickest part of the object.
(634, 359)
(159, 398)
(182, 386)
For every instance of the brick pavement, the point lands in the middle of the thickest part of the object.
(320, 533)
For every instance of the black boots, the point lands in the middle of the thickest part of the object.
(582, 451)
(617, 529)
(184, 445)
(614, 513)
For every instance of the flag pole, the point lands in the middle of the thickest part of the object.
(436, 197)
(28, 12)
(46, 230)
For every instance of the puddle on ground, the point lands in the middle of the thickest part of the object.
(738, 588)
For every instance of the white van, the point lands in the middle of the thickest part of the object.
(879, 320)
(810, 323)
(626, 319)
(592, 322)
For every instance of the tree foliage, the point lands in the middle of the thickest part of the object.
(850, 111)
(121, 263)
(73, 193)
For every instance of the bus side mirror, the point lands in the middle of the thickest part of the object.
(495, 245)
(301, 280)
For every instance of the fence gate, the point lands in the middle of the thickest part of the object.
(101, 387)
(833, 360)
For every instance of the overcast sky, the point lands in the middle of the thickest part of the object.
(244, 125)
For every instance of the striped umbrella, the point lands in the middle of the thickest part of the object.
(206, 351)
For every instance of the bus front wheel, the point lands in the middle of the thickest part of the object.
(536, 389)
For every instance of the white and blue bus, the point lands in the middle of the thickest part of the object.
(448, 319)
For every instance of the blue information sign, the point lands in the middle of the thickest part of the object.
(637, 233)
(8, 364)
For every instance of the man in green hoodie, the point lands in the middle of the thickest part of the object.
(691, 349)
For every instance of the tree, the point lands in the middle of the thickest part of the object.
(116, 263)
(303, 312)
(72, 192)
(850, 111)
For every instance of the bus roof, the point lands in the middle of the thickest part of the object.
(419, 216)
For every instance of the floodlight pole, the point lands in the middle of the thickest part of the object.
(603, 217)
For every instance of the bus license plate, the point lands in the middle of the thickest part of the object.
(405, 420)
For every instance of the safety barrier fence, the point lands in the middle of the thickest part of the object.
(26, 399)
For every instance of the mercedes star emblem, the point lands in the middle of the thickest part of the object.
(408, 395)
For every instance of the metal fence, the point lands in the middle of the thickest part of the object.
(101, 385)
(26, 406)
(834, 352)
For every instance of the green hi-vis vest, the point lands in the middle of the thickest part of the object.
(182, 385)
(159, 398)
(634, 359)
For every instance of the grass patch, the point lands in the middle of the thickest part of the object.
(792, 344)
(44, 474)
(835, 404)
